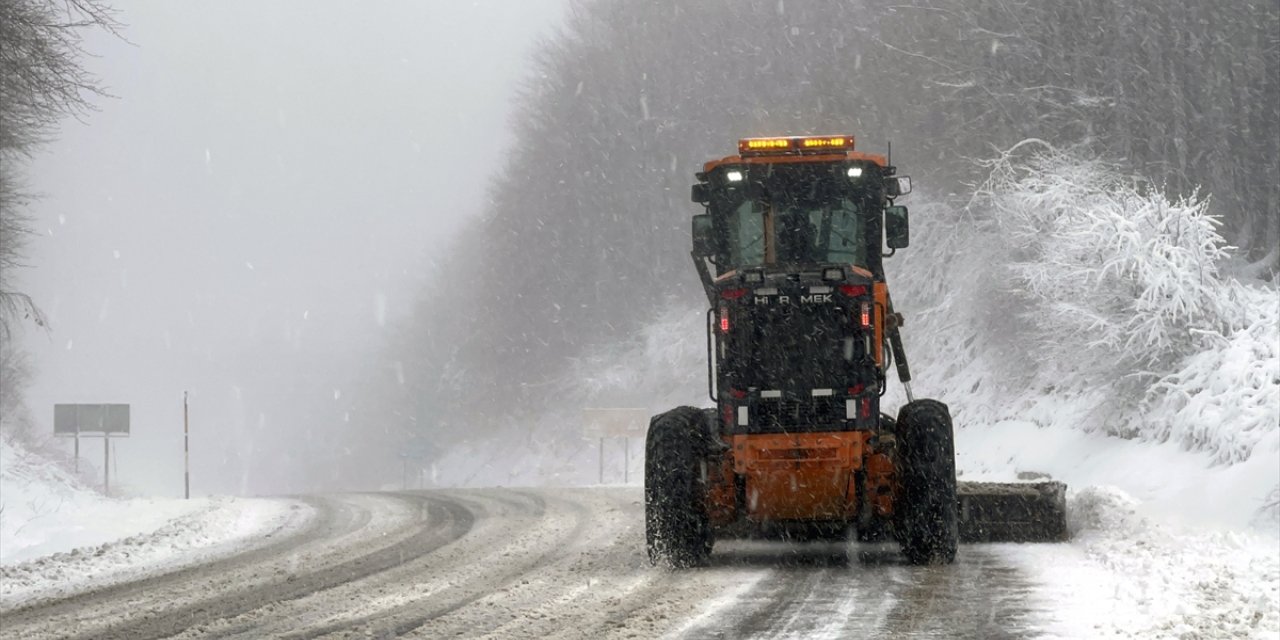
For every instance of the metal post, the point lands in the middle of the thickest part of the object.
(106, 463)
(626, 460)
(186, 449)
(602, 460)
(77, 451)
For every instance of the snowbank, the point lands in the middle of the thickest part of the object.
(57, 536)
(1165, 543)
(1127, 575)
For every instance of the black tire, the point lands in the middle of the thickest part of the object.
(677, 528)
(927, 524)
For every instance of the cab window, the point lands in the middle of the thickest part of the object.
(745, 226)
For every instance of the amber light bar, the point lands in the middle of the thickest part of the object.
(794, 144)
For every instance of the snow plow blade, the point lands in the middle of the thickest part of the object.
(1012, 512)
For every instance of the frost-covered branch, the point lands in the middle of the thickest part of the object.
(1105, 261)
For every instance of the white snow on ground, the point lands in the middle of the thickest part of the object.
(1164, 543)
(1128, 575)
(717, 605)
(58, 537)
(1163, 477)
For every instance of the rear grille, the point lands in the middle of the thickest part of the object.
(806, 414)
(800, 453)
(794, 348)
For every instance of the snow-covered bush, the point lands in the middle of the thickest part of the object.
(661, 366)
(1226, 397)
(17, 424)
(1113, 271)
(1067, 292)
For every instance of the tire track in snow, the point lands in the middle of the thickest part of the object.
(601, 586)
(353, 536)
(816, 593)
(564, 563)
(444, 522)
(805, 586)
(378, 599)
(621, 595)
(530, 548)
(60, 617)
(977, 597)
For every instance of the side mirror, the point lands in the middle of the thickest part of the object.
(703, 243)
(897, 186)
(896, 228)
(701, 193)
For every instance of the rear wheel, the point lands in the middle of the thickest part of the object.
(926, 524)
(677, 528)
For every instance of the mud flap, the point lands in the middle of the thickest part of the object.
(1012, 512)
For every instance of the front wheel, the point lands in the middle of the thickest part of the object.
(927, 521)
(677, 527)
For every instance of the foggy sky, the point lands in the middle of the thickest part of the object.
(260, 198)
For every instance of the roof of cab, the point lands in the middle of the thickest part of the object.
(790, 158)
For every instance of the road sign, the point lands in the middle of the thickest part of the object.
(97, 420)
(614, 423)
(417, 448)
(70, 419)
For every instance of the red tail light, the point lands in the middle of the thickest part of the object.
(866, 406)
(738, 393)
(865, 316)
(853, 290)
(724, 320)
(733, 294)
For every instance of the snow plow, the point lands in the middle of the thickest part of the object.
(801, 332)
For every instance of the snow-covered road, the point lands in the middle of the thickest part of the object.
(560, 563)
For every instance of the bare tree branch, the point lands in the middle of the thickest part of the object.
(42, 81)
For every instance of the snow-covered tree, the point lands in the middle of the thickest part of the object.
(585, 236)
(1110, 267)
